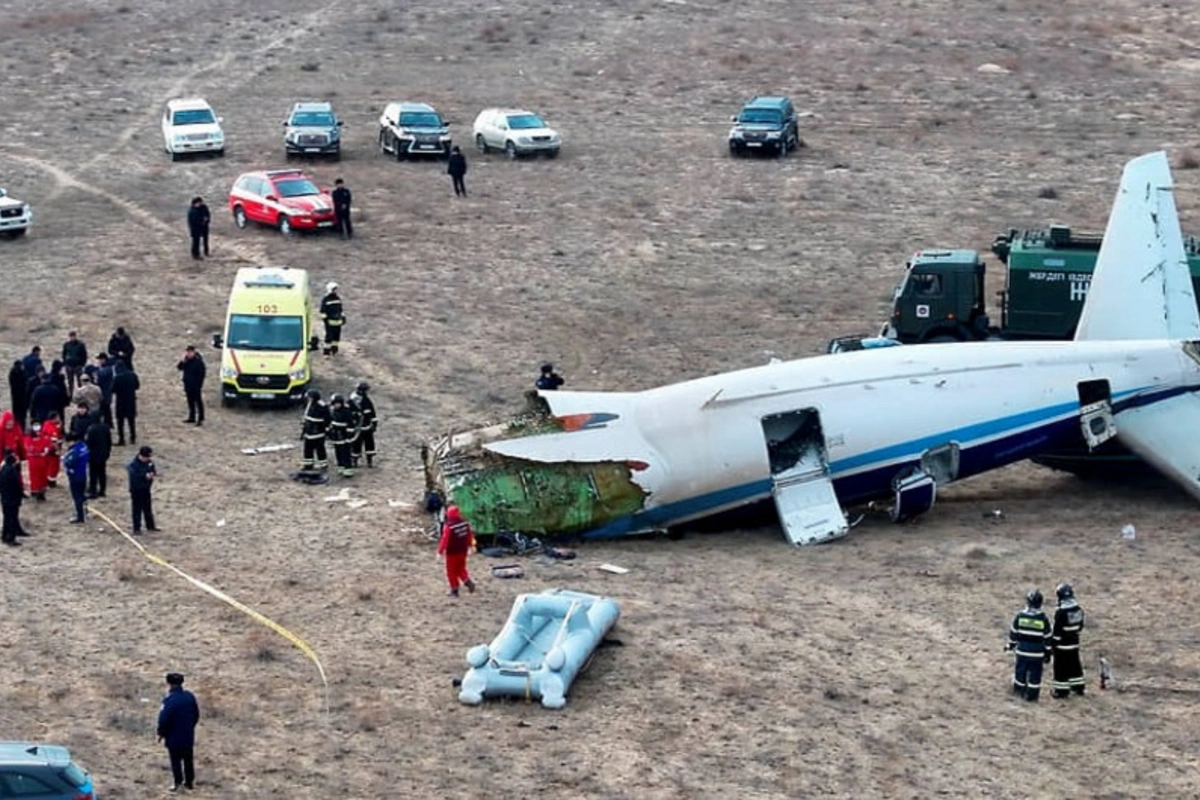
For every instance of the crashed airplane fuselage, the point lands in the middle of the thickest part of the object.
(824, 433)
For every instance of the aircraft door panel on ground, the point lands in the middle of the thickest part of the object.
(808, 507)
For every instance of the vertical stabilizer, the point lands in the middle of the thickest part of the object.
(1141, 287)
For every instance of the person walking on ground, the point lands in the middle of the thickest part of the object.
(549, 380)
(59, 378)
(75, 462)
(193, 369)
(74, 358)
(333, 316)
(341, 433)
(367, 423)
(125, 389)
(198, 219)
(32, 362)
(12, 493)
(99, 441)
(38, 446)
(455, 546)
(341, 208)
(89, 394)
(18, 390)
(44, 400)
(102, 376)
(177, 719)
(1029, 634)
(52, 429)
(80, 421)
(456, 167)
(12, 435)
(1068, 623)
(141, 481)
(313, 431)
(120, 345)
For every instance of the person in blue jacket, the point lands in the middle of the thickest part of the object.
(177, 719)
(75, 462)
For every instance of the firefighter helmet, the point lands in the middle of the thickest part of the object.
(1064, 592)
(364, 387)
(337, 398)
(1034, 599)
(313, 394)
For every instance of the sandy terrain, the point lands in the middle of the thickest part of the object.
(868, 668)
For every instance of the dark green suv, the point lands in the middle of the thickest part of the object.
(42, 772)
(765, 124)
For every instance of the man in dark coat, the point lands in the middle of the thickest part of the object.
(120, 345)
(74, 359)
(341, 208)
(193, 369)
(198, 218)
(367, 423)
(59, 379)
(75, 463)
(177, 719)
(32, 362)
(456, 166)
(141, 481)
(334, 318)
(102, 376)
(12, 492)
(549, 380)
(18, 389)
(80, 421)
(125, 389)
(99, 441)
(45, 399)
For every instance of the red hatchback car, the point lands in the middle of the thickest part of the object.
(284, 198)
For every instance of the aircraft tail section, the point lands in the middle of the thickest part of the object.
(1142, 287)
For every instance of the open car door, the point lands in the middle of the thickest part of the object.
(808, 507)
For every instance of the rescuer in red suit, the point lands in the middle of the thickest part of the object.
(455, 545)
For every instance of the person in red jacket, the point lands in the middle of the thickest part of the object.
(53, 428)
(39, 445)
(11, 436)
(455, 545)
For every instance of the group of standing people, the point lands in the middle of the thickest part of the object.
(348, 424)
(1036, 641)
(102, 395)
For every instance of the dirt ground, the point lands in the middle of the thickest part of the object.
(867, 668)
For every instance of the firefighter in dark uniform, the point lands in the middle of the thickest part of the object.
(1068, 622)
(364, 445)
(342, 428)
(549, 380)
(1029, 635)
(341, 208)
(333, 317)
(316, 425)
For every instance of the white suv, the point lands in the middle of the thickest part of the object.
(516, 132)
(15, 216)
(189, 125)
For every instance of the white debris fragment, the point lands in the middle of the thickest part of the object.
(400, 504)
(1129, 533)
(613, 568)
(355, 503)
(340, 497)
(993, 69)
(267, 448)
(221, 522)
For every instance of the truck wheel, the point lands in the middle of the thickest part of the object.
(239, 216)
(480, 144)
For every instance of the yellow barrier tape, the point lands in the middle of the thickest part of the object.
(300, 644)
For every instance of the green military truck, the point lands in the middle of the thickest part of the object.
(941, 298)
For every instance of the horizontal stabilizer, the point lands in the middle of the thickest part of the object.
(1167, 435)
(585, 446)
(1141, 287)
(564, 404)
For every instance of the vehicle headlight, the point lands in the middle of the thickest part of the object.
(178, 137)
(216, 137)
(772, 134)
(523, 139)
(736, 133)
(298, 374)
(228, 372)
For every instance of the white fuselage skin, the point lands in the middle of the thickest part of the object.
(879, 410)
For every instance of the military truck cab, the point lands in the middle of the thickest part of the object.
(267, 337)
(940, 299)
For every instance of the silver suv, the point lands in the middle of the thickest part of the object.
(413, 129)
(42, 772)
(312, 129)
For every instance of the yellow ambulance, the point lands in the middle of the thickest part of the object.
(268, 336)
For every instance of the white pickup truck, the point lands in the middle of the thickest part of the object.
(15, 216)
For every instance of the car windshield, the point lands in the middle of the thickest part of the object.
(296, 187)
(262, 332)
(193, 116)
(760, 115)
(523, 122)
(420, 119)
(312, 119)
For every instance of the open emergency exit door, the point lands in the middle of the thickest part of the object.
(808, 507)
(1095, 412)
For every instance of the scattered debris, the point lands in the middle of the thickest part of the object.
(995, 515)
(507, 571)
(400, 504)
(993, 69)
(355, 503)
(613, 568)
(342, 495)
(311, 478)
(221, 522)
(267, 448)
(1106, 676)
(1129, 533)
